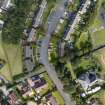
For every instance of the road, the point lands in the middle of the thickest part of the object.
(44, 52)
(76, 21)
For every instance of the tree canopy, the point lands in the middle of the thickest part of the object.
(15, 21)
(82, 41)
(85, 65)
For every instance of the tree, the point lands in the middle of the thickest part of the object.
(83, 39)
(85, 65)
(83, 43)
(15, 21)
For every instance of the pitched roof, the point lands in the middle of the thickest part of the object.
(87, 79)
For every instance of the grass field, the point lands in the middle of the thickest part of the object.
(101, 58)
(98, 38)
(12, 54)
(97, 30)
(69, 67)
(102, 97)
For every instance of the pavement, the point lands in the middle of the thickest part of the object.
(44, 52)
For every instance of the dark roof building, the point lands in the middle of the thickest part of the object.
(36, 81)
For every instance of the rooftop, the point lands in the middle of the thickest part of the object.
(88, 79)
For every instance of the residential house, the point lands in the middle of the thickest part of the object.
(89, 79)
(38, 83)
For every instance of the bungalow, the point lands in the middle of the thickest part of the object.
(89, 79)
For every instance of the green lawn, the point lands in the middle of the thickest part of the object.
(100, 55)
(58, 97)
(98, 38)
(48, 80)
(69, 66)
(12, 54)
